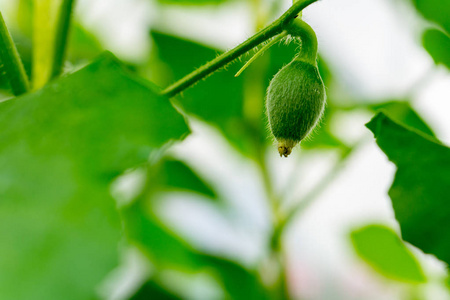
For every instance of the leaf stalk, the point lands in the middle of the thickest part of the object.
(62, 30)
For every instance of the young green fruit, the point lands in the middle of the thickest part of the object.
(295, 103)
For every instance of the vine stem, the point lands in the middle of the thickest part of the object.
(62, 30)
(11, 61)
(270, 31)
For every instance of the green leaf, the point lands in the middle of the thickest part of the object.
(172, 174)
(436, 11)
(152, 290)
(239, 283)
(384, 251)
(420, 190)
(437, 44)
(218, 100)
(60, 149)
(167, 250)
(402, 112)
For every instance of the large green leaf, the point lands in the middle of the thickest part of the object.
(437, 44)
(167, 250)
(382, 249)
(402, 112)
(436, 11)
(420, 190)
(60, 149)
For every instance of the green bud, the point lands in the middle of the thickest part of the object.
(295, 103)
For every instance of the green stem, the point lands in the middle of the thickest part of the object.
(308, 37)
(62, 30)
(15, 72)
(273, 29)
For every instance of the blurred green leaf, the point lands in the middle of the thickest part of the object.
(192, 2)
(218, 100)
(152, 290)
(167, 250)
(24, 14)
(239, 283)
(437, 44)
(402, 112)
(435, 10)
(172, 174)
(419, 193)
(4, 83)
(60, 149)
(384, 251)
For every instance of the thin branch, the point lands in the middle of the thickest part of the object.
(62, 30)
(9, 57)
(270, 31)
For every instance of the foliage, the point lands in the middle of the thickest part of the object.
(62, 212)
(385, 252)
(419, 191)
(68, 141)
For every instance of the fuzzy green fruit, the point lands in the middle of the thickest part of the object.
(295, 103)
